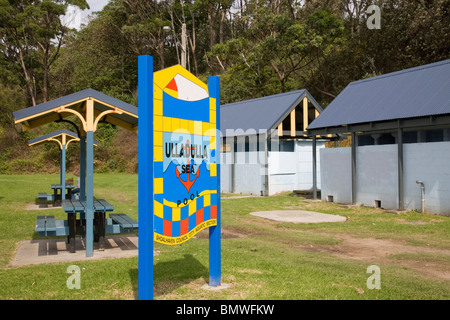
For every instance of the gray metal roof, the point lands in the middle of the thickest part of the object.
(52, 135)
(416, 92)
(261, 114)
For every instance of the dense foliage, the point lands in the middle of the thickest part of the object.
(258, 47)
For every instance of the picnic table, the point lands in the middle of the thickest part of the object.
(57, 193)
(117, 223)
(78, 226)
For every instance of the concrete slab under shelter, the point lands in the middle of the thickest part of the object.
(31, 252)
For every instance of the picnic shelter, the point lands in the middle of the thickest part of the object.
(90, 107)
(61, 138)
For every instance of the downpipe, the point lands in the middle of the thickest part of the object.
(422, 187)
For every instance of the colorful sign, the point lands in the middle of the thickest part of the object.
(185, 166)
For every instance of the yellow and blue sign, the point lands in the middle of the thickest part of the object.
(179, 172)
(185, 166)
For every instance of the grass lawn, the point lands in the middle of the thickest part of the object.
(261, 259)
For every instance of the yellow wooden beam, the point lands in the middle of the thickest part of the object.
(73, 103)
(71, 140)
(316, 114)
(305, 113)
(104, 113)
(71, 136)
(293, 123)
(63, 140)
(25, 126)
(116, 121)
(121, 123)
(64, 109)
(30, 118)
(38, 122)
(88, 123)
(57, 141)
(38, 142)
(280, 130)
(90, 115)
(39, 115)
(114, 107)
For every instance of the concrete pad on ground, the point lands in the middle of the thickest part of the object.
(56, 250)
(237, 197)
(222, 286)
(299, 216)
(42, 206)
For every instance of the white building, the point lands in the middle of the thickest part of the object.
(265, 146)
(400, 128)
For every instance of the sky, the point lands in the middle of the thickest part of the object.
(76, 17)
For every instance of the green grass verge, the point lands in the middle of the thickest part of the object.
(261, 259)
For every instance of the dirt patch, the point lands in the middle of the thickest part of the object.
(380, 250)
(250, 271)
(247, 229)
(370, 250)
(230, 232)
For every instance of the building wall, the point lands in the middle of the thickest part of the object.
(248, 176)
(376, 175)
(336, 174)
(225, 178)
(288, 171)
(430, 163)
(377, 179)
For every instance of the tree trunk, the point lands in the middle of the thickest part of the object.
(212, 30)
(280, 75)
(192, 42)
(221, 26)
(46, 66)
(27, 77)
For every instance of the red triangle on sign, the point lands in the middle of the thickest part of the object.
(172, 85)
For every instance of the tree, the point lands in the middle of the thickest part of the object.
(31, 36)
(144, 28)
(216, 11)
(412, 33)
(278, 49)
(111, 67)
(11, 99)
(284, 44)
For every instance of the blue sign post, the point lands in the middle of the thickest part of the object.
(145, 184)
(215, 269)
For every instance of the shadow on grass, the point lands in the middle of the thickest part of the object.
(170, 275)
